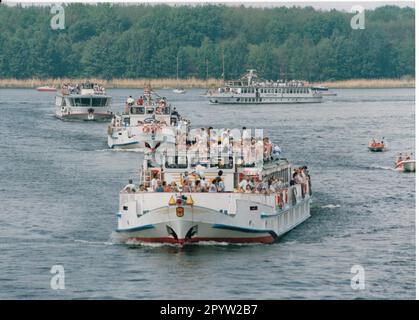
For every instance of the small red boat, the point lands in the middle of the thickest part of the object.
(376, 146)
(46, 89)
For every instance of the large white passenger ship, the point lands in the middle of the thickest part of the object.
(87, 101)
(252, 90)
(224, 199)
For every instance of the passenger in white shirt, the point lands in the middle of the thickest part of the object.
(244, 183)
(130, 101)
(154, 183)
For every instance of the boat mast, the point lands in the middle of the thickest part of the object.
(177, 71)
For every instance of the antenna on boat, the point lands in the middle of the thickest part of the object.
(206, 62)
(222, 55)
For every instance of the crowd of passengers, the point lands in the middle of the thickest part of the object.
(67, 88)
(252, 150)
(268, 83)
(161, 102)
(191, 182)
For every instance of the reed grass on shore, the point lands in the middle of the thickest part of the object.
(196, 83)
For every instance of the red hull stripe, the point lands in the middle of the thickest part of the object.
(264, 239)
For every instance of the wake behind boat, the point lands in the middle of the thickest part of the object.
(192, 198)
(87, 101)
(252, 90)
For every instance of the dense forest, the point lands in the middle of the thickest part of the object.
(118, 41)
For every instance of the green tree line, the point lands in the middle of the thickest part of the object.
(118, 41)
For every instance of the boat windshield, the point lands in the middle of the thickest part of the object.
(89, 102)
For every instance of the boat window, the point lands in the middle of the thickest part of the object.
(82, 102)
(99, 102)
(137, 110)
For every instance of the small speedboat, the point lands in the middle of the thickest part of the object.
(406, 165)
(179, 91)
(46, 89)
(324, 91)
(376, 146)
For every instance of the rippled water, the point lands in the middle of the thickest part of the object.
(59, 193)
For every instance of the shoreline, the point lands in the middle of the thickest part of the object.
(189, 83)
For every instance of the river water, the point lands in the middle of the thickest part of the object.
(59, 189)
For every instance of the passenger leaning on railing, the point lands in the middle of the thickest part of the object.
(130, 187)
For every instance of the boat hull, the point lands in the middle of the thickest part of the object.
(264, 100)
(135, 138)
(85, 116)
(407, 166)
(220, 217)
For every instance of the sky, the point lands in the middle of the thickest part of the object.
(321, 5)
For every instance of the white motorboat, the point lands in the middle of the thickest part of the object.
(83, 102)
(46, 89)
(324, 91)
(179, 91)
(239, 213)
(406, 165)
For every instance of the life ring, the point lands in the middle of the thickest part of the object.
(286, 195)
(279, 200)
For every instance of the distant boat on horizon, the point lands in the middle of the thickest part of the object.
(46, 89)
(323, 90)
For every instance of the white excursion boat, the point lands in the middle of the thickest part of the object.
(87, 101)
(148, 124)
(256, 203)
(251, 90)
